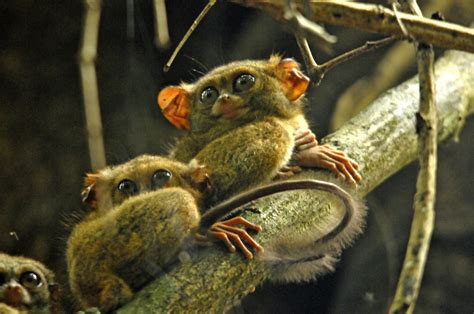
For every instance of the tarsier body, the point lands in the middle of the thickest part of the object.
(243, 118)
(144, 211)
(26, 286)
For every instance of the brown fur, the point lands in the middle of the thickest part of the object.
(126, 241)
(27, 299)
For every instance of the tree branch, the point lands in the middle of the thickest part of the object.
(382, 139)
(376, 18)
(90, 91)
(409, 283)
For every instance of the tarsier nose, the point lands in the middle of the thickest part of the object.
(224, 97)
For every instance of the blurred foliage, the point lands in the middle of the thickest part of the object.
(44, 150)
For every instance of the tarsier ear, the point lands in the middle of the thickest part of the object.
(88, 193)
(293, 81)
(174, 103)
(200, 176)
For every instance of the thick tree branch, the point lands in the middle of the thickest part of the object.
(382, 139)
(376, 18)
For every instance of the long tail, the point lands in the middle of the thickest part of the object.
(303, 257)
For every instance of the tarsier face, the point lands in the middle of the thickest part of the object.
(113, 185)
(237, 91)
(24, 283)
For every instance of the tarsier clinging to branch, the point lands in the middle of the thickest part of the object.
(143, 213)
(244, 119)
(26, 286)
(246, 122)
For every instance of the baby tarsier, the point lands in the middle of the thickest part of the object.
(26, 286)
(143, 214)
(245, 120)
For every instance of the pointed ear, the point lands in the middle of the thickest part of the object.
(174, 103)
(88, 193)
(199, 175)
(294, 83)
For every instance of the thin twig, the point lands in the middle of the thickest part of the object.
(196, 22)
(394, 4)
(89, 83)
(423, 219)
(15, 235)
(316, 72)
(162, 37)
(375, 18)
(305, 28)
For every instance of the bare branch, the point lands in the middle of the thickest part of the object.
(162, 37)
(305, 28)
(89, 83)
(196, 22)
(423, 219)
(316, 72)
(375, 18)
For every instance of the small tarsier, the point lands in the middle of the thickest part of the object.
(143, 214)
(26, 286)
(246, 121)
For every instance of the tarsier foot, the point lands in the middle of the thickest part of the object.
(304, 139)
(325, 156)
(232, 236)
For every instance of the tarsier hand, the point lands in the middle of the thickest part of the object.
(309, 154)
(232, 236)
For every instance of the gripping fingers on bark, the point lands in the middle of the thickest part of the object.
(242, 234)
(305, 139)
(232, 236)
(344, 163)
(287, 171)
(239, 220)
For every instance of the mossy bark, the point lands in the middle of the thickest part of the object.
(382, 139)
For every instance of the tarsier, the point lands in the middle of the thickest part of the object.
(243, 118)
(26, 286)
(246, 122)
(143, 213)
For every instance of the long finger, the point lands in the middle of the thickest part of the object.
(241, 233)
(239, 220)
(222, 235)
(236, 239)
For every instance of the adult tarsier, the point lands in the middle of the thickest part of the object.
(246, 122)
(26, 286)
(244, 119)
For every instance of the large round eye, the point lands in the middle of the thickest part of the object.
(209, 95)
(127, 187)
(244, 82)
(30, 280)
(160, 178)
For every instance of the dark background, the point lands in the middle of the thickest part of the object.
(44, 154)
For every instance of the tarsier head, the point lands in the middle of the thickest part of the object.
(113, 185)
(238, 92)
(26, 284)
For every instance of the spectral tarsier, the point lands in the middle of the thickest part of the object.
(143, 213)
(26, 286)
(244, 119)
